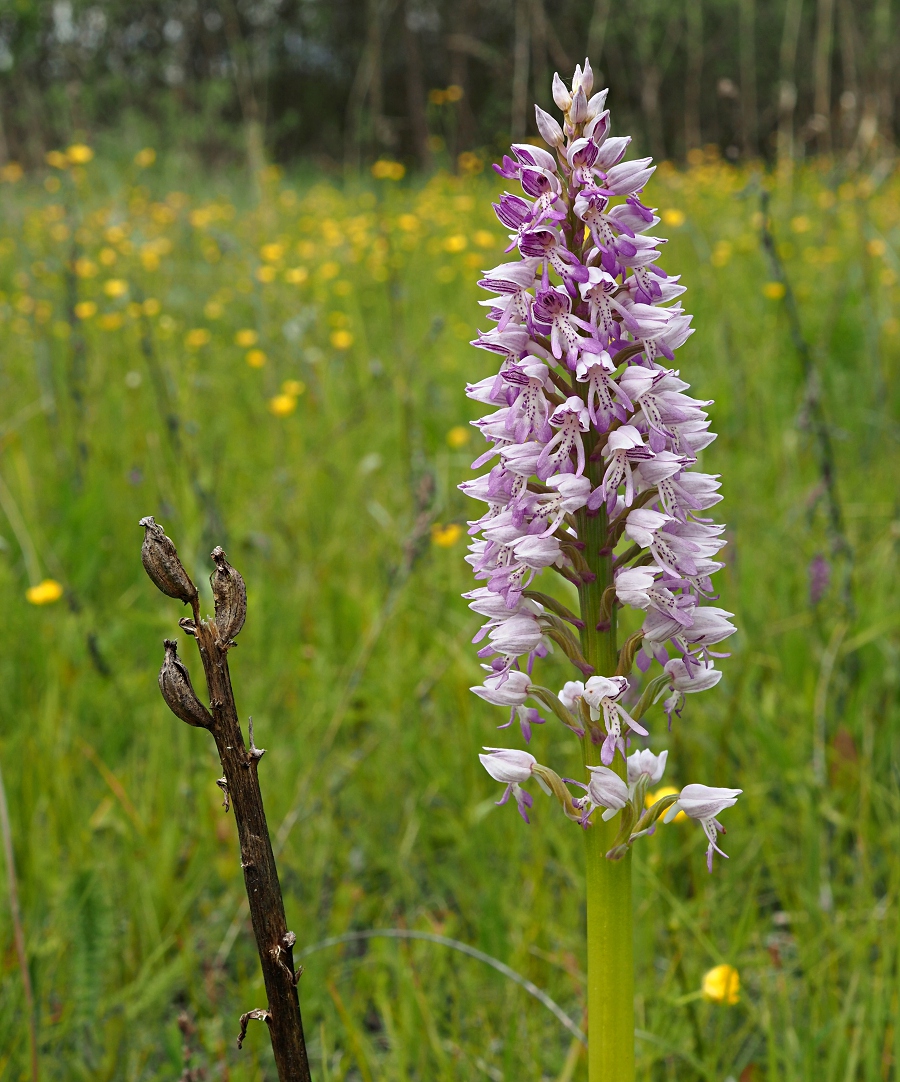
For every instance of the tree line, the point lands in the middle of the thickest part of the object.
(344, 82)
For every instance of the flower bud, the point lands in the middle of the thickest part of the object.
(579, 107)
(549, 128)
(161, 563)
(561, 96)
(230, 595)
(177, 690)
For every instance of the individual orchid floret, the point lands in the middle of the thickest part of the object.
(705, 803)
(644, 763)
(624, 447)
(552, 309)
(511, 768)
(602, 693)
(604, 790)
(549, 127)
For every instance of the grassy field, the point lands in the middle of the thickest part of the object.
(282, 372)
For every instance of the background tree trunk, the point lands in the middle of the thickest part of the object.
(693, 74)
(521, 45)
(747, 57)
(787, 86)
(822, 73)
(415, 92)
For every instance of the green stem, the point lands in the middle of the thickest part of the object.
(610, 937)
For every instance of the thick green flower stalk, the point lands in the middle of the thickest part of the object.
(594, 445)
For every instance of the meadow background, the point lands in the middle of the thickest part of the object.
(278, 366)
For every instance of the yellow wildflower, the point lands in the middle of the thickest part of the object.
(673, 217)
(484, 238)
(293, 387)
(265, 273)
(272, 253)
(384, 169)
(56, 159)
(800, 224)
(245, 337)
(85, 309)
(409, 223)
(296, 275)
(256, 358)
(145, 157)
(721, 253)
(341, 339)
(666, 790)
(876, 246)
(469, 163)
(456, 243)
(329, 270)
(722, 984)
(282, 404)
(197, 337)
(458, 436)
(213, 310)
(774, 290)
(446, 536)
(108, 256)
(11, 172)
(151, 306)
(79, 154)
(85, 268)
(45, 593)
(115, 287)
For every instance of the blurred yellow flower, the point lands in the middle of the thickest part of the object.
(111, 321)
(458, 436)
(446, 536)
(469, 163)
(721, 254)
(409, 223)
(265, 273)
(79, 154)
(151, 306)
(213, 310)
(59, 231)
(107, 256)
(145, 157)
(329, 270)
(115, 287)
(722, 984)
(341, 339)
(272, 253)
(384, 169)
(296, 275)
(456, 243)
(85, 309)
(774, 290)
(246, 337)
(197, 337)
(800, 224)
(282, 404)
(256, 358)
(876, 246)
(45, 593)
(293, 387)
(11, 172)
(673, 217)
(85, 268)
(56, 159)
(484, 238)
(665, 790)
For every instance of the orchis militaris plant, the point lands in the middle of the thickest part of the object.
(594, 447)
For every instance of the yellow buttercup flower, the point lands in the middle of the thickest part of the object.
(456, 243)
(666, 790)
(446, 536)
(56, 159)
(341, 339)
(293, 387)
(282, 404)
(722, 984)
(197, 337)
(774, 290)
(458, 436)
(673, 217)
(256, 358)
(45, 593)
(296, 275)
(245, 337)
(272, 253)
(115, 287)
(145, 157)
(79, 154)
(85, 309)
(384, 169)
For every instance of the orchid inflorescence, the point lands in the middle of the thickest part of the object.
(595, 447)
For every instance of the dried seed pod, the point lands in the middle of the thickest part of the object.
(177, 690)
(161, 563)
(230, 595)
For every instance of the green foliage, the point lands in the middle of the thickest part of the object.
(326, 464)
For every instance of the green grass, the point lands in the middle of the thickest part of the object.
(355, 659)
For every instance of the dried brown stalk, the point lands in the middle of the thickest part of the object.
(240, 784)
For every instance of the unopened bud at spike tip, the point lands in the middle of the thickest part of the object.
(161, 562)
(230, 595)
(177, 690)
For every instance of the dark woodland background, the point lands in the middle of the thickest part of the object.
(341, 82)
